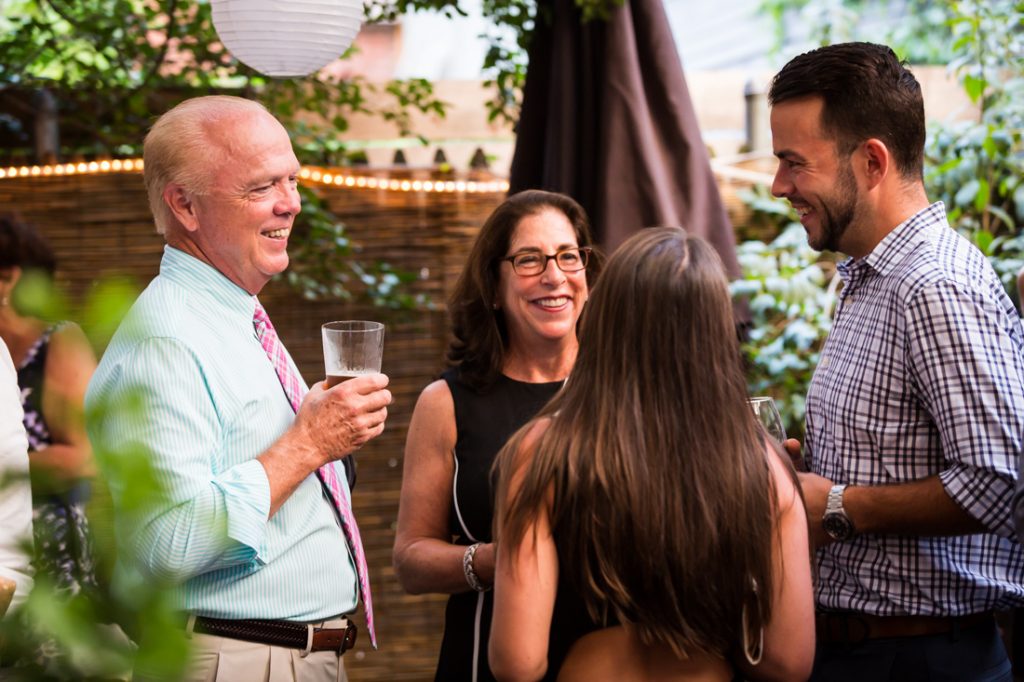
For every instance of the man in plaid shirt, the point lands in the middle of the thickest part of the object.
(915, 415)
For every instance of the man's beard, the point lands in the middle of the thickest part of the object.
(837, 212)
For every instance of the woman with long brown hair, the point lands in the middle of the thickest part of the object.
(643, 519)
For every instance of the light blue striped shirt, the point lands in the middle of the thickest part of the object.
(211, 403)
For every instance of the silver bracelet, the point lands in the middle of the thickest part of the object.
(467, 567)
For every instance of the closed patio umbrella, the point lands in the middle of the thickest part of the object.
(607, 119)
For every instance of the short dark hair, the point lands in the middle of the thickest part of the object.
(867, 92)
(479, 336)
(22, 246)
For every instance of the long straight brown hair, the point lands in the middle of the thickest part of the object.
(663, 505)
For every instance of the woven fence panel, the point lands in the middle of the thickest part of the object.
(100, 226)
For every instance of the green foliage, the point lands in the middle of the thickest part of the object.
(316, 110)
(108, 61)
(36, 295)
(415, 93)
(786, 284)
(977, 167)
(112, 63)
(106, 305)
(325, 263)
(508, 63)
(71, 626)
(916, 29)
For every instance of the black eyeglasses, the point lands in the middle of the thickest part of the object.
(528, 263)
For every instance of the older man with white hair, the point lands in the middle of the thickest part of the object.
(253, 527)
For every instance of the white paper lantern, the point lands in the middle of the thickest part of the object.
(287, 37)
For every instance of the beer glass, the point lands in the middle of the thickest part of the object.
(352, 348)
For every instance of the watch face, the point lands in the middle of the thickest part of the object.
(837, 526)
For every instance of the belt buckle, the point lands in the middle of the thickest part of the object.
(349, 640)
(835, 626)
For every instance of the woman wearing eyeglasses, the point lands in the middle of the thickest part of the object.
(513, 315)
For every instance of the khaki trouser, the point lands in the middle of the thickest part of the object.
(220, 659)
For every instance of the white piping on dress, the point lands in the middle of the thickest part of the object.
(480, 595)
(455, 497)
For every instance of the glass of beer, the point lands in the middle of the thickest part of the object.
(352, 348)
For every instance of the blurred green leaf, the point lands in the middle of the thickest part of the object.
(106, 305)
(983, 240)
(974, 87)
(37, 296)
(981, 198)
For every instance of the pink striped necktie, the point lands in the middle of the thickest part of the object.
(294, 390)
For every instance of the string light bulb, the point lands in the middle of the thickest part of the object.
(309, 174)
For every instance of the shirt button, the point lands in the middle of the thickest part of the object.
(823, 362)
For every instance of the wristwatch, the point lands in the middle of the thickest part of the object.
(835, 521)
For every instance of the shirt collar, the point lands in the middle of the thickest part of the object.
(202, 279)
(900, 241)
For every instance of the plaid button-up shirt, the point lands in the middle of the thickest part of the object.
(922, 375)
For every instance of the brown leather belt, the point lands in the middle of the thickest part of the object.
(850, 628)
(281, 633)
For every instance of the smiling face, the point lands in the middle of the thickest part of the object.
(819, 184)
(245, 215)
(544, 307)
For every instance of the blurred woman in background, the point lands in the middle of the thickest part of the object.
(513, 315)
(54, 363)
(647, 529)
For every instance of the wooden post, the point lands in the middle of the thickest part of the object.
(47, 128)
(758, 130)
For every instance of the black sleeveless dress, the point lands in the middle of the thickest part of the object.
(63, 541)
(484, 422)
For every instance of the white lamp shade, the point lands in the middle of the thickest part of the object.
(287, 37)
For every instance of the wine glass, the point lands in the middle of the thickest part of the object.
(768, 414)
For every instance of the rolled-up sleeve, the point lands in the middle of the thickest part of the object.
(970, 374)
(180, 511)
(1018, 502)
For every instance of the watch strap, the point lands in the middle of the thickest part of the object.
(834, 504)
